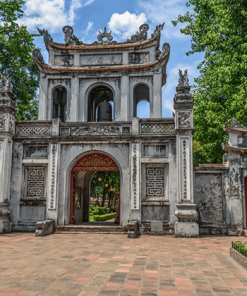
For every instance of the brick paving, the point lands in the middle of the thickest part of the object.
(98, 264)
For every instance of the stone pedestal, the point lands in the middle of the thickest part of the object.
(186, 227)
(5, 224)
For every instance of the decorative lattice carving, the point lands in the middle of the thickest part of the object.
(35, 182)
(157, 128)
(96, 162)
(26, 130)
(104, 130)
(154, 181)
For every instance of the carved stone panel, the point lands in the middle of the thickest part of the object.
(64, 60)
(88, 131)
(135, 171)
(209, 198)
(138, 58)
(52, 175)
(150, 150)
(35, 178)
(103, 59)
(155, 213)
(35, 152)
(184, 119)
(2, 122)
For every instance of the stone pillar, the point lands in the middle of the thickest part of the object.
(7, 131)
(156, 101)
(74, 106)
(236, 199)
(124, 98)
(43, 87)
(186, 209)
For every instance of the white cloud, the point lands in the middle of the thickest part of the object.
(50, 14)
(126, 24)
(159, 11)
(89, 26)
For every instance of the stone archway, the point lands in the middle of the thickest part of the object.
(87, 166)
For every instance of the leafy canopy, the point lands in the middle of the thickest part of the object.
(219, 29)
(16, 45)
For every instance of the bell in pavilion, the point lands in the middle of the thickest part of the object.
(104, 110)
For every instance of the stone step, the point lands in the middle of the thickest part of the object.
(245, 232)
(116, 229)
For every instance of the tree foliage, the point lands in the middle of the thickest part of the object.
(98, 189)
(219, 29)
(16, 45)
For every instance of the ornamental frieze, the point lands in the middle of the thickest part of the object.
(95, 131)
(96, 162)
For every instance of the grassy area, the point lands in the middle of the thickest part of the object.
(104, 217)
(241, 248)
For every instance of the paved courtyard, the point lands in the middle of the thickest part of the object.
(98, 264)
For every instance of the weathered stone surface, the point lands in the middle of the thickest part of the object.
(157, 226)
(133, 229)
(5, 224)
(238, 257)
(186, 229)
(209, 198)
(44, 228)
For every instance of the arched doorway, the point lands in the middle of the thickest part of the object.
(81, 176)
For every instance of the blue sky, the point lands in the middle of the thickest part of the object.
(123, 18)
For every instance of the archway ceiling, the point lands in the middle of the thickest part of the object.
(95, 162)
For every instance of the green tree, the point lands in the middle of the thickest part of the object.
(16, 45)
(219, 29)
(98, 189)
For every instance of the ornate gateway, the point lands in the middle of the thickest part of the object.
(95, 162)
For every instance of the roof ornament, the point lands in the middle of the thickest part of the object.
(47, 36)
(157, 30)
(183, 78)
(165, 52)
(105, 38)
(235, 123)
(36, 54)
(141, 35)
(70, 38)
(5, 83)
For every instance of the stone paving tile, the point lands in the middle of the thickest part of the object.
(98, 264)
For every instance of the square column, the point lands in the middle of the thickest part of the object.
(156, 100)
(74, 102)
(186, 209)
(43, 87)
(7, 131)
